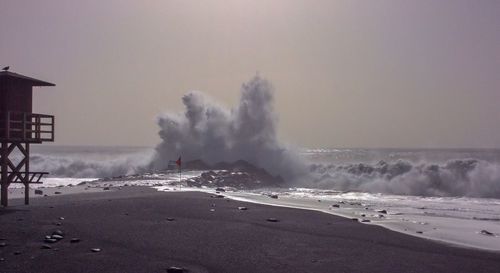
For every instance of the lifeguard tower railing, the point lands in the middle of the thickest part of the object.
(26, 127)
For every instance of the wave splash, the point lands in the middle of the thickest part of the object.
(213, 134)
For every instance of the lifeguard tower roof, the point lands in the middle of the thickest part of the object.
(7, 76)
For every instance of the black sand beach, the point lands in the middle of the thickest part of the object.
(140, 230)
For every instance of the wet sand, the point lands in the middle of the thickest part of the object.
(138, 229)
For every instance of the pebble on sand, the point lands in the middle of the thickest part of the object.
(75, 240)
(174, 269)
(170, 219)
(485, 232)
(45, 246)
(242, 208)
(95, 249)
(58, 232)
(3, 244)
(274, 220)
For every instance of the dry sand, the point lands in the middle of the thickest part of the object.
(141, 230)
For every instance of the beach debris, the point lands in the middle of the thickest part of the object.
(381, 211)
(212, 210)
(242, 208)
(341, 202)
(335, 206)
(38, 192)
(75, 240)
(365, 221)
(57, 223)
(170, 219)
(57, 192)
(273, 220)
(487, 233)
(419, 232)
(95, 250)
(105, 189)
(274, 196)
(46, 246)
(354, 219)
(175, 269)
(220, 190)
(61, 218)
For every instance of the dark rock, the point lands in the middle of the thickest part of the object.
(45, 246)
(95, 249)
(38, 192)
(335, 206)
(58, 232)
(17, 252)
(382, 211)
(365, 221)
(274, 220)
(220, 196)
(50, 240)
(242, 208)
(75, 240)
(174, 269)
(2, 259)
(57, 237)
(420, 232)
(3, 244)
(170, 219)
(61, 218)
(274, 196)
(220, 190)
(57, 192)
(354, 219)
(105, 189)
(485, 232)
(57, 223)
(81, 183)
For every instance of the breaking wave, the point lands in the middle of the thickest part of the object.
(460, 177)
(212, 133)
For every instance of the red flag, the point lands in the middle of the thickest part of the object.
(178, 162)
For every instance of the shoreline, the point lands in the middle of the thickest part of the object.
(492, 246)
(133, 222)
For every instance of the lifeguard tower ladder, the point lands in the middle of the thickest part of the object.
(20, 127)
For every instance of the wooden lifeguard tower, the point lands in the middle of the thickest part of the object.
(20, 127)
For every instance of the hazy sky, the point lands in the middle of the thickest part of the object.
(422, 73)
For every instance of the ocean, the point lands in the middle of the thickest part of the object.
(451, 195)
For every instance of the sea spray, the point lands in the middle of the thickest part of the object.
(213, 134)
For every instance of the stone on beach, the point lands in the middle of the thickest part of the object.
(50, 240)
(58, 232)
(170, 219)
(274, 220)
(39, 192)
(3, 244)
(95, 249)
(75, 240)
(174, 269)
(57, 237)
(487, 233)
(242, 208)
(45, 246)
